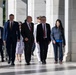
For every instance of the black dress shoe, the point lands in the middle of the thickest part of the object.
(28, 63)
(43, 62)
(8, 62)
(60, 62)
(56, 62)
(2, 61)
(12, 64)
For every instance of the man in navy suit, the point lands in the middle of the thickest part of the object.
(1, 44)
(10, 36)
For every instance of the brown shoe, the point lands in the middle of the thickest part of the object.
(55, 62)
(61, 62)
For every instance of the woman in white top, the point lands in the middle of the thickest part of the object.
(37, 48)
(19, 46)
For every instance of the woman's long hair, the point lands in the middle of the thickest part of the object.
(60, 27)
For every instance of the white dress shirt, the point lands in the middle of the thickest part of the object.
(44, 29)
(28, 25)
(37, 48)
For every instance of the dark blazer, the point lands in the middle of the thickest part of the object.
(40, 36)
(1, 29)
(26, 33)
(1, 39)
(14, 33)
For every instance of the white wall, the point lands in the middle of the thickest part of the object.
(21, 10)
(72, 29)
(10, 8)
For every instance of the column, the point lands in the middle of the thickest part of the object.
(1, 12)
(31, 8)
(18, 8)
(39, 8)
(58, 10)
(11, 8)
(21, 10)
(72, 30)
(67, 55)
(49, 16)
(49, 12)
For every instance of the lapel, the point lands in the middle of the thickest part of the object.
(46, 27)
(0, 29)
(41, 28)
(8, 25)
(1, 32)
(28, 27)
(13, 24)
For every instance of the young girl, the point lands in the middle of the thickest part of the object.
(20, 46)
(58, 40)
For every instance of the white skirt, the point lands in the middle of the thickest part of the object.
(20, 47)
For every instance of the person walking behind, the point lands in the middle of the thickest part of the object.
(37, 48)
(20, 45)
(58, 40)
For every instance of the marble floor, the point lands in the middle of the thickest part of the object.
(37, 68)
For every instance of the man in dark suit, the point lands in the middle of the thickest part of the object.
(1, 44)
(10, 36)
(43, 38)
(27, 33)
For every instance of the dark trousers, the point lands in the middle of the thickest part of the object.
(58, 50)
(11, 49)
(27, 51)
(33, 47)
(1, 52)
(43, 50)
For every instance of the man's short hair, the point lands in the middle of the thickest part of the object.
(11, 15)
(28, 17)
(39, 17)
(43, 17)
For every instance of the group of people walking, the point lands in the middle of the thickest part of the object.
(27, 36)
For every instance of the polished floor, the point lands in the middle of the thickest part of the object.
(37, 68)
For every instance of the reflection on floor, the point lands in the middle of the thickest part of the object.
(38, 69)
